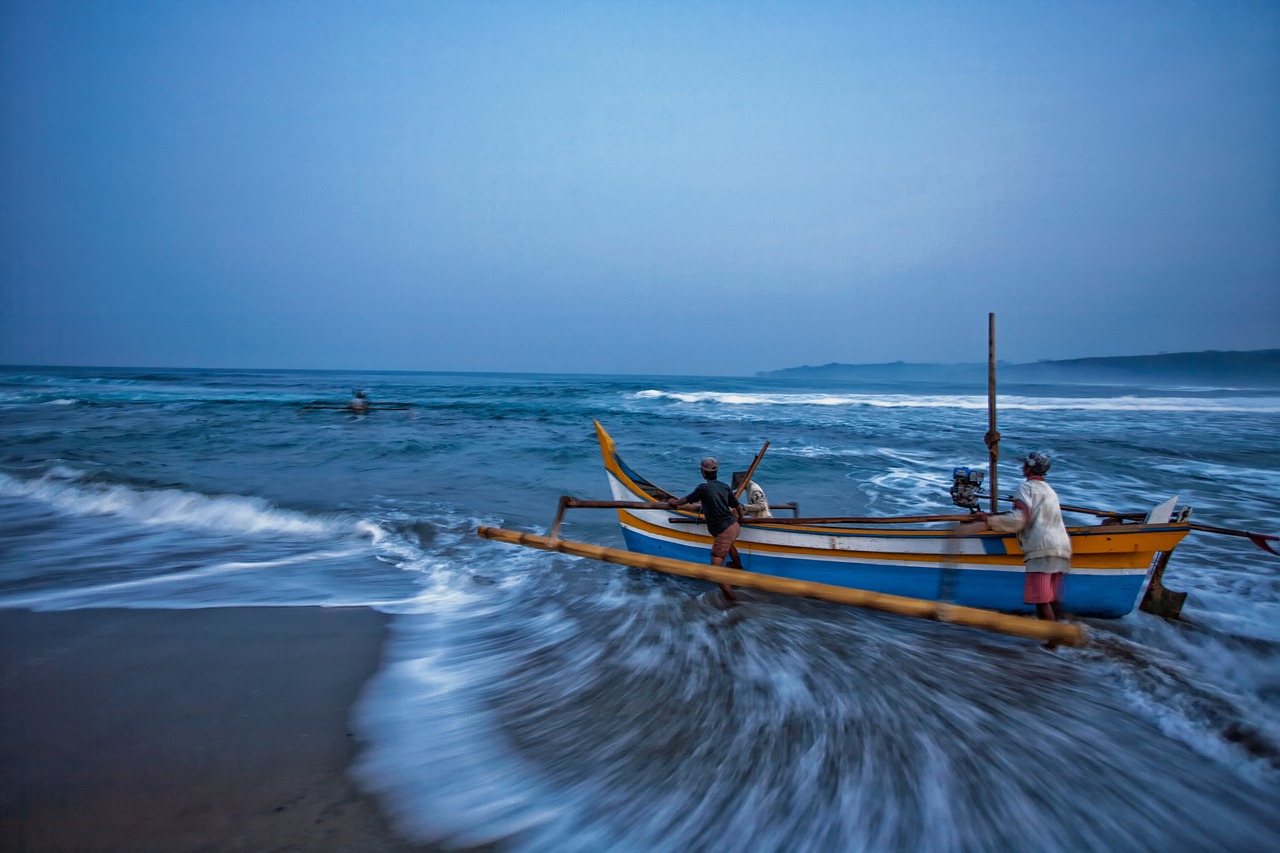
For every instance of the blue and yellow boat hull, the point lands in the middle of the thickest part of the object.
(1110, 563)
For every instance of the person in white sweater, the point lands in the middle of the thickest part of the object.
(754, 504)
(1037, 520)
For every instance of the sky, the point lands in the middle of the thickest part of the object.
(708, 188)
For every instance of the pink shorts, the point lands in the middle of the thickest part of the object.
(720, 548)
(1041, 587)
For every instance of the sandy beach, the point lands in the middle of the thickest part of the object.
(186, 730)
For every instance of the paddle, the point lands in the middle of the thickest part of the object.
(737, 493)
(1259, 539)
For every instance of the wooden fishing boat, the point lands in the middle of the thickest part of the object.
(1111, 562)
(930, 569)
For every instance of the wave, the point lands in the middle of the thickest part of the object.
(30, 389)
(168, 548)
(66, 490)
(1127, 403)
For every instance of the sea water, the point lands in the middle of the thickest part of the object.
(551, 703)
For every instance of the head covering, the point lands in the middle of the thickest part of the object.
(1036, 462)
(738, 477)
(710, 464)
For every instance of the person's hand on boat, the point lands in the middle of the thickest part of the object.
(976, 523)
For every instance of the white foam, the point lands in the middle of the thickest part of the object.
(1125, 403)
(1266, 481)
(65, 491)
(98, 594)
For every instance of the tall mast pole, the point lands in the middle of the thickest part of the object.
(992, 437)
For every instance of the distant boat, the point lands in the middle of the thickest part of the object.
(1110, 562)
(357, 410)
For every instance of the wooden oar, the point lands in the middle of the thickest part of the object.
(737, 493)
(973, 617)
(1259, 539)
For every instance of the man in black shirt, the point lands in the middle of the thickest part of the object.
(719, 506)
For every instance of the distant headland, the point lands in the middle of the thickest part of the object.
(1248, 369)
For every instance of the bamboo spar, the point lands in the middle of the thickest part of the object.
(972, 617)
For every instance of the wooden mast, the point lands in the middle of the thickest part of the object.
(992, 437)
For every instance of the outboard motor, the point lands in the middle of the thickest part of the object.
(966, 483)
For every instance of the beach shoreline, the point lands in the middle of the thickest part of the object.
(187, 730)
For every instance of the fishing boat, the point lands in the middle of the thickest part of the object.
(927, 567)
(1110, 564)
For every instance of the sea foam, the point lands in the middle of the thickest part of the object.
(1126, 403)
(67, 491)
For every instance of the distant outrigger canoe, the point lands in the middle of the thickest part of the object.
(358, 410)
(1110, 562)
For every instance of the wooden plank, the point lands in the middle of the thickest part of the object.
(574, 503)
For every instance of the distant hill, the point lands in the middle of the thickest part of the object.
(1249, 369)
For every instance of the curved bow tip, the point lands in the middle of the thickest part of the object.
(1260, 539)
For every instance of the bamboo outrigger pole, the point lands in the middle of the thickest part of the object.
(973, 617)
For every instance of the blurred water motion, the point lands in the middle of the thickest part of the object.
(548, 703)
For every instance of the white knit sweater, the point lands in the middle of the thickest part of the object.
(1041, 532)
(756, 505)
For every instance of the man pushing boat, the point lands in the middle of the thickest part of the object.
(720, 507)
(1036, 519)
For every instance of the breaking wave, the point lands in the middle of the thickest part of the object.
(957, 401)
(68, 491)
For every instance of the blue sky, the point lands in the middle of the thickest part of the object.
(632, 187)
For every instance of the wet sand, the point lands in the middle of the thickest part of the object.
(186, 730)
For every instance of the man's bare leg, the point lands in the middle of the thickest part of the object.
(735, 561)
(728, 591)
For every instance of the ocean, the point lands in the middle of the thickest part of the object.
(544, 702)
